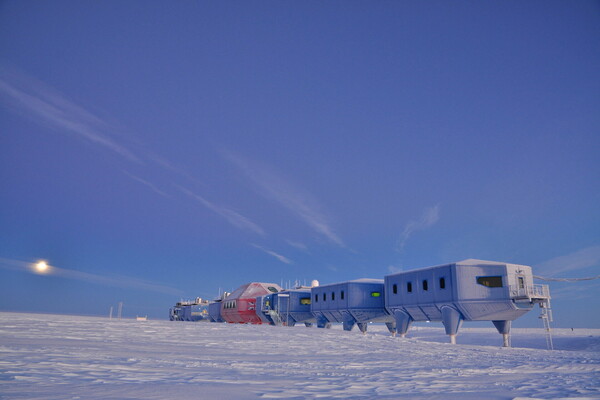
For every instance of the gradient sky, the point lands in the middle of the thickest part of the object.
(158, 151)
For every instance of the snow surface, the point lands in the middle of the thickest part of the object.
(71, 357)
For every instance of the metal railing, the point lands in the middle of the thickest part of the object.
(529, 292)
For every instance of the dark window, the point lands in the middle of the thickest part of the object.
(425, 285)
(490, 281)
(375, 294)
(442, 283)
(272, 289)
(324, 296)
(395, 288)
(342, 294)
(305, 300)
(332, 295)
(409, 287)
(316, 298)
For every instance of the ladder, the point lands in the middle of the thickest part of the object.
(546, 317)
(275, 317)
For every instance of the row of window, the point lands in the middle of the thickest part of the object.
(488, 281)
(373, 294)
(424, 285)
(230, 304)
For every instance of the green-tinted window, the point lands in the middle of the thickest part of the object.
(490, 281)
(375, 294)
(305, 300)
(272, 289)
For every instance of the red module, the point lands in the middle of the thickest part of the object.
(240, 305)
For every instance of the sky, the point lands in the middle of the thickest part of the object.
(158, 151)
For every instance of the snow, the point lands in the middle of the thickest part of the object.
(72, 357)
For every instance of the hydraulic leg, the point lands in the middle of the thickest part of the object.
(503, 328)
(452, 321)
(403, 321)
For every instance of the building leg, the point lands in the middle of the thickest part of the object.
(452, 321)
(503, 328)
(363, 327)
(348, 325)
(403, 321)
(391, 327)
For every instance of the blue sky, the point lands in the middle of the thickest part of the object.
(153, 151)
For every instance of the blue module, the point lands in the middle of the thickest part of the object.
(469, 290)
(293, 306)
(189, 310)
(214, 311)
(264, 310)
(354, 302)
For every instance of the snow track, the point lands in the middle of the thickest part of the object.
(69, 357)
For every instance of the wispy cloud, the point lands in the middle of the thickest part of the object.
(47, 106)
(430, 216)
(585, 290)
(278, 256)
(36, 100)
(146, 183)
(117, 281)
(274, 187)
(233, 217)
(298, 245)
(581, 259)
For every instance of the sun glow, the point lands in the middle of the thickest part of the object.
(42, 267)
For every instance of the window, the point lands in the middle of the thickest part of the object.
(425, 285)
(521, 282)
(332, 295)
(490, 281)
(267, 303)
(342, 295)
(395, 289)
(375, 294)
(409, 287)
(324, 296)
(316, 298)
(273, 289)
(305, 300)
(442, 283)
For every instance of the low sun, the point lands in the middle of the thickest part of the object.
(41, 267)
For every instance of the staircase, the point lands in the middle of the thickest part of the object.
(537, 294)
(546, 317)
(275, 317)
